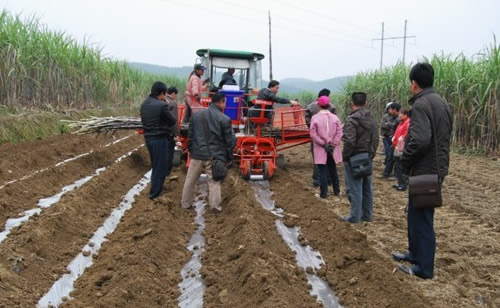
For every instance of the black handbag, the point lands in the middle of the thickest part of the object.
(425, 190)
(219, 168)
(361, 165)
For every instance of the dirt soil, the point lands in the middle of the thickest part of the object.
(245, 262)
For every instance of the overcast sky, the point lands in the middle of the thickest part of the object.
(311, 39)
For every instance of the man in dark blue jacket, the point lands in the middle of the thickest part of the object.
(430, 127)
(157, 121)
(211, 137)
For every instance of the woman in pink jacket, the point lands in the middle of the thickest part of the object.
(326, 133)
(192, 97)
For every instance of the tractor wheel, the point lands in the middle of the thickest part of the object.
(265, 170)
(248, 169)
(176, 161)
(280, 161)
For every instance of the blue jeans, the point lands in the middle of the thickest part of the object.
(360, 194)
(389, 156)
(158, 152)
(328, 171)
(421, 240)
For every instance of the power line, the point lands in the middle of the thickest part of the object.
(382, 39)
(302, 9)
(294, 20)
(265, 23)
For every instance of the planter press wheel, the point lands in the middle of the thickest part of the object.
(280, 161)
(248, 165)
(176, 161)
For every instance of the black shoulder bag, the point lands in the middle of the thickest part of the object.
(219, 168)
(425, 190)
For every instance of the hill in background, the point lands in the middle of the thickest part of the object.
(288, 85)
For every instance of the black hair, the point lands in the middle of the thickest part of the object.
(423, 75)
(217, 97)
(406, 112)
(158, 88)
(324, 92)
(395, 106)
(359, 98)
(172, 90)
(273, 83)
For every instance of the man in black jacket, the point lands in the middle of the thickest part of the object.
(390, 122)
(269, 94)
(360, 136)
(157, 121)
(420, 156)
(171, 99)
(204, 146)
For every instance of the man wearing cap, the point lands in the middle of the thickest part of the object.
(193, 91)
(326, 132)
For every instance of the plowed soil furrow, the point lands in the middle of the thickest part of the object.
(358, 274)
(467, 264)
(246, 263)
(40, 250)
(23, 195)
(140, 265)
(25, 158)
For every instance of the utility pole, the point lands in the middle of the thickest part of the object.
(382, 39)
(404, 42)
(270, 50)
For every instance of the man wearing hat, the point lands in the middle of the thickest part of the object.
(326, 133)
(193, 91)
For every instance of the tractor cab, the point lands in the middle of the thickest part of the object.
(247, 67)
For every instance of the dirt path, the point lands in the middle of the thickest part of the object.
(140, 264)
(467, 228)
(246, 263)
(42, 248)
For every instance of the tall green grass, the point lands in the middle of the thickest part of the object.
(470, 85)
(49, 70)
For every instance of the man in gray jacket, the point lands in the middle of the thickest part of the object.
(430, 126)
(360, 136)
(204, 146)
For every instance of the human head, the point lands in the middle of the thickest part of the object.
(231, 70)
(172, 92)
(421, 77)
(358, 100)
(404, 114)
(394, 109)
(323, 102)
(274, 86)
(158, 90)
(199, 69)
(324, 92)
(219, 99)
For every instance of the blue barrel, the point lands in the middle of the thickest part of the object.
(234, 99)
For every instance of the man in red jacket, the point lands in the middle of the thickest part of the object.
(398, 143)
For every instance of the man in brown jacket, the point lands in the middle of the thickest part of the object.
(360, 136)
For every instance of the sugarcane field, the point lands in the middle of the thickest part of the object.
(298, 161)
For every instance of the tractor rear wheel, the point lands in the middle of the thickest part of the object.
(265, 170)
(246, 172)
(176, 161)
(280, 161)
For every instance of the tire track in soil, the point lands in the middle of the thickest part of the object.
(41, 250)
(356, 272)
(22, 159)
(246, 263)
(140, 265)
(467, 230)
(24, 195)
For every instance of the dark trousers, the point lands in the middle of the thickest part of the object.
(158, 152)
(389, 156)
(398, 172)
(329, 170)
(421, 240)
(170, 154)
(315, 175)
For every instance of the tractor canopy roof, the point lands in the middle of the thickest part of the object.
(229, 54)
